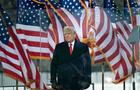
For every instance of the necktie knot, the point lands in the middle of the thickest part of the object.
(70, 44)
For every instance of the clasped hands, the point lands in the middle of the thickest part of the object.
(55, 86)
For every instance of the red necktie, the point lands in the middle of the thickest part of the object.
(70, 48)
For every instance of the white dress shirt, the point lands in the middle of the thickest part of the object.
(72, 44)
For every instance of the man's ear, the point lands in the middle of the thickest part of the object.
(74, 35)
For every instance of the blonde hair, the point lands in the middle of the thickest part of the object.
(69, 29)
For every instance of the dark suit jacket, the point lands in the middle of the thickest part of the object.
(61, 68)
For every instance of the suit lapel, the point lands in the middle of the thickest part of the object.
(66, 49)
(74, 52)
(75, 49)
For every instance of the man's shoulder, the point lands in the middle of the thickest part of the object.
(82, 44)
(60, 44)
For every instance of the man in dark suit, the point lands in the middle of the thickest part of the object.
(71, 63)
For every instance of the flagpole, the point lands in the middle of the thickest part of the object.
(103, 76)
(133, 64)
(133, 69)
(16, 84)
(90, 1)
(102, 66)
(124, 85)
(130, 11)
(133, 38)
(92, 86)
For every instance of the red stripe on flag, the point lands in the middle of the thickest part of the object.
(21, 51)
(32, 33)
(14, 75)
(54, 24)
(35, 43)
(65, 17)
(10, 54)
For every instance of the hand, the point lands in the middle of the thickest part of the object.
(84, 82)
(84, 85)
(55, 86)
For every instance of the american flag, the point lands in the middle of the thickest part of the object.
(32, 25)
(55, 31)
(106, 39)
(112, 11)
(70, 15)
(136, 20)
(8, 53)
(73, 6)
(135, 9)
(81, 23)
(78, 19)
(97, 27)
(83, 28)
(15, 59)
(122, 30)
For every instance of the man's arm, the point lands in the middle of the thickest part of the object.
(87, 62)
(54, 64)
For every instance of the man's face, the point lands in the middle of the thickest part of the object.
(69, 36)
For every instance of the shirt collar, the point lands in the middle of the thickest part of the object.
(72, 43)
